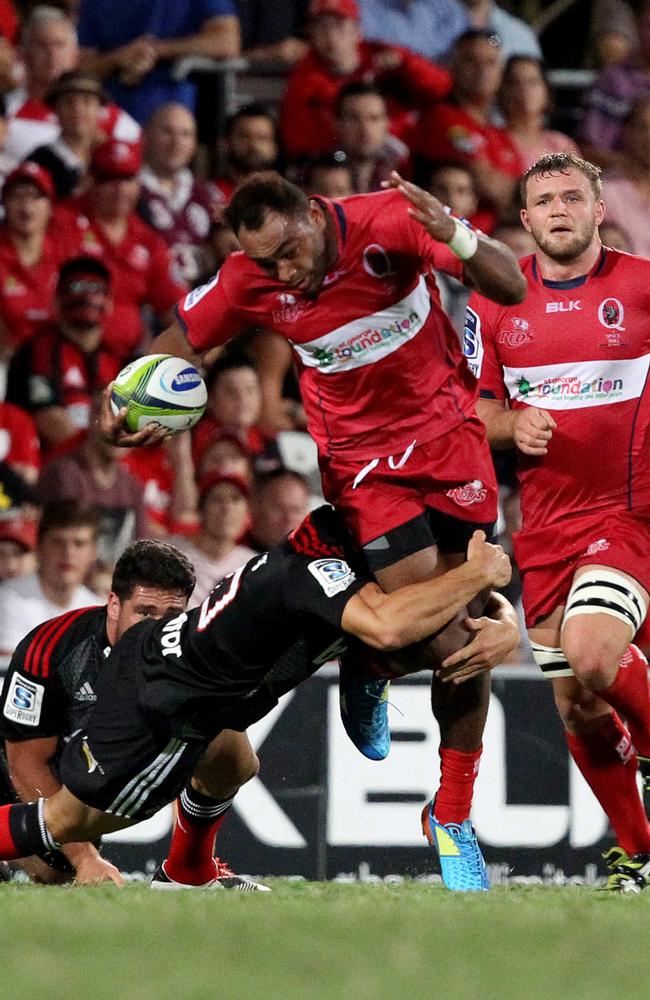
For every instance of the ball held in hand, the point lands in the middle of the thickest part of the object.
(159, 389)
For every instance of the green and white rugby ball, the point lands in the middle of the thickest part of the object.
(160, 389)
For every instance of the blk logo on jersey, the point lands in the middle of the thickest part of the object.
(518, 335)
(611, 314)
(24, 701)
(333, 575)
(564, 307)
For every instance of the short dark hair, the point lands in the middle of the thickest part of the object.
(253, 110)
(266, 479)
(87, 265)
(152, 563)
(230, 360)
(357, 88)
(559, 163)
(68, 514)
(262, 193)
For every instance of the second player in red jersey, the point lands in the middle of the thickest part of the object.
(564, 378)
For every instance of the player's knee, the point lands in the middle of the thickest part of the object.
(593, 665)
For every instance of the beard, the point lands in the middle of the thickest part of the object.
(566, 250)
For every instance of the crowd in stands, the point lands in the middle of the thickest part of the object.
(111, 210)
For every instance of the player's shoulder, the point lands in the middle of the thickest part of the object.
(41, 651)
(620, 261)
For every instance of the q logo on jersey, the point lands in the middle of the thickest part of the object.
(333, 575)
(611, 314)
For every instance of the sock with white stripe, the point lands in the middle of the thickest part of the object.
(23, 831)
(191, 853)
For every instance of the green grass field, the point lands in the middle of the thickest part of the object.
(323, 941)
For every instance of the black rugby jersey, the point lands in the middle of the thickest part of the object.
(260, 631)
(50, 686)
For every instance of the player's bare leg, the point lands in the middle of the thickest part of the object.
(228, 763)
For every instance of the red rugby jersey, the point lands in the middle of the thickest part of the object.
(378, 361)
(27, 293)
(581, 350)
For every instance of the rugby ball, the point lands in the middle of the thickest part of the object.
(159, 389)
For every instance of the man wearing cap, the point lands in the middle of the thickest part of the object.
(17, 544)
(54, 374)
(103, 223)
(338, 56)
(215, 551)
(49, 48)
(30, 256)
(77, 98)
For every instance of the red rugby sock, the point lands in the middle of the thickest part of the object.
(630, 696)
(190, 859)
(458, 773)
(607, 761)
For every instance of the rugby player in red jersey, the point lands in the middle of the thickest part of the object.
(563, 377)
(388, 397)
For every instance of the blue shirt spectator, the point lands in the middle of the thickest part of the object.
(429, 27)
(133, 43)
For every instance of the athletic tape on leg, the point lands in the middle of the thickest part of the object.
(606, 592)
(551, 661)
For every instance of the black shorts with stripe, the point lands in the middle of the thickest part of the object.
(126, 762)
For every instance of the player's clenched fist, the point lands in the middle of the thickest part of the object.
(532, 430)
(491, 559)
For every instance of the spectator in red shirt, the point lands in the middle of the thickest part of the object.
(103, 223)
(338, 56)
(54, 374)
(462, 128)
(166, 472)
(30, 256)
(250, 144)
(371, 152)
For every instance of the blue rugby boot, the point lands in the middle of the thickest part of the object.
(461, 862)
(364, 713)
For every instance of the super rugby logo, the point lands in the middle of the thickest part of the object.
(611, 314)
(333, 575)
(470, 493)
(473, 342)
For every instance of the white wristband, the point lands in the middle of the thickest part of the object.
(464, 242)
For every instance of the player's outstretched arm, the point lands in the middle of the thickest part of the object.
(390, 621)
(490, 266)
(495, 635)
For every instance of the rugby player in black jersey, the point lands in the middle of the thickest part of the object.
(170, 687)
(50, 689)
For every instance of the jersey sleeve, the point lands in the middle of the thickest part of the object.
(208, 314)
(480, 346)
(30, 707)
(321, 586)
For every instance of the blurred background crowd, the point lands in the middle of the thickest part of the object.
(125, 127)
